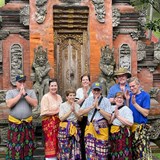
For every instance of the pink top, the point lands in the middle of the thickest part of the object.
(50, 105)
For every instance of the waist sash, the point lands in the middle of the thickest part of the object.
(19, 121)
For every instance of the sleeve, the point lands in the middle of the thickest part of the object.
(32, 94)
(78, 93)
(62, 111)
(9, 95)
(110, 93)
(44, 105)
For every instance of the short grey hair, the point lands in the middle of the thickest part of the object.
(135, 79)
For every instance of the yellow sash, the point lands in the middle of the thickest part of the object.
(135, 126)
(103, 132)
(72, 129)
(17, 121)
(47, 117)
(114, 129)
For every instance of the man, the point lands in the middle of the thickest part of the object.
(139, 103)
(98, 109)
(122, 74)
(20, 101)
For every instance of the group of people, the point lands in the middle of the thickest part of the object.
(86, 126)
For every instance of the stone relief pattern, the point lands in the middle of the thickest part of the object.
(16, 59)
(41, 12)
(115, 17)
(157, 52)
(141, 53)
(125, 57)
(71, 1)
(24, 15)
(100, 10)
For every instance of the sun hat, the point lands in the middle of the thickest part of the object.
(20, 78)
(122, 71)
(97, 85)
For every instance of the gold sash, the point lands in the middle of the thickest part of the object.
(17, 121)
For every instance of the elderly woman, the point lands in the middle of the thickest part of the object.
(50, 104)
(69, 131)
(120, 137)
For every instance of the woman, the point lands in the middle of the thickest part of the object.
(81, 94)
(50, 104)
(69, 131)
(120, 137)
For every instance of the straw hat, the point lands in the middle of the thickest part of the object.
(122, 71)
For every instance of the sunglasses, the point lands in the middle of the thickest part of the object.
(96, 89)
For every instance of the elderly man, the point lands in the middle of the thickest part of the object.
(98, 109)
(139, 103)
(122, 74)
(20, 101)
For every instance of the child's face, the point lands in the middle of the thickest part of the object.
(71, 97)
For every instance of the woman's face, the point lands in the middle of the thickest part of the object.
(85, 81)
(119, 100)
(71, 97)
(53, 87)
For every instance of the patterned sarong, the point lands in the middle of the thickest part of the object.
(141, 144)
(50, 127)
(69, 141)
(96, 140)
(121, 143)
(20, 144)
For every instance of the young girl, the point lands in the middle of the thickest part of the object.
(69, 131)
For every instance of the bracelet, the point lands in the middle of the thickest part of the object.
(26, 94)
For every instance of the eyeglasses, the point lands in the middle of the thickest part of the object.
(96, 89)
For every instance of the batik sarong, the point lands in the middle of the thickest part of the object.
(96, 140)
(69, 141)
(121, 143)
(140, 142)
(20, 145)
(50, 127)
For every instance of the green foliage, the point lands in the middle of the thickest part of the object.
(153, 25)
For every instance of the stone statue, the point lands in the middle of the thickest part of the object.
(107, 66)
(40, 76)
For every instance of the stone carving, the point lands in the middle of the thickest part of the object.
(154, 92)
(41, 11)
(40, 76)
(24, 15)
(141, 53)
(24, 34)
(135, 34)
(3, 135)
(2, 96)
(125, 57)
(115, 17)
(100, 10)
(0, 21)
(157, 52)
(4, 34)
(107, 66)
(16, 62)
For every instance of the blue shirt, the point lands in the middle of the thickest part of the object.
(116, 88)
(142, 99)
(105, 105)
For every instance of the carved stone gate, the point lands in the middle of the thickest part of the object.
(71, 45)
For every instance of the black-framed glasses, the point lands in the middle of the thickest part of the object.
(96, 89)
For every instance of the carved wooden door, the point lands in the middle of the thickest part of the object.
(71, 49)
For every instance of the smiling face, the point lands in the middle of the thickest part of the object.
(134, 87)
(96, 92)
(119, 100)
(53, 87)
(122, 79)
(71, 97)
(85, 81)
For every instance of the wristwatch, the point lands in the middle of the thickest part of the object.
(25, 95)
(98, 109)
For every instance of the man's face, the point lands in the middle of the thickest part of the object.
(20, 84)
(122, 79)
(96, 92)
(134, 87)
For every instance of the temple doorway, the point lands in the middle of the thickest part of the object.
(71, 45)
